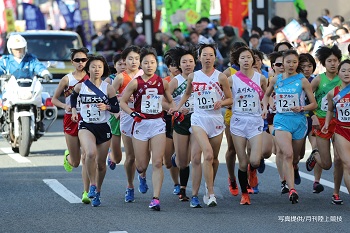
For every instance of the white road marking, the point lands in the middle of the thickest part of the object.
(62, 191)
(311, 178)
(118, 232)
(15, 156)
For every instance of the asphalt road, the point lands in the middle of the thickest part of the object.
(29, 204)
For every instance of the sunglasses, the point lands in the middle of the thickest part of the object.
(77, 60)
(278, 64)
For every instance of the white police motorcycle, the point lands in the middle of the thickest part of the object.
(23, 108)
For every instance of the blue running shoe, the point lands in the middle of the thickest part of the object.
(96, 201)
(154, 205)
(110, 164)
(143, 187)
(195, 202)
(173, 161)
(176, 190)
(92, 191)
(129, 195)
(256, 189)
(261, 168)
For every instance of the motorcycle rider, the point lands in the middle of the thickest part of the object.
(18, 58)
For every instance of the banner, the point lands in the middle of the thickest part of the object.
(299, 5)
(233, 12)
(65, 12)
(85, 22)
(205, 8)
(10, 15)
(77, 18)
(157, 18)
(130, 11)
(115, 9)
(183, 13)
(33, 17)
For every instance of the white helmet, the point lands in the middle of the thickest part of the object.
(16, 41)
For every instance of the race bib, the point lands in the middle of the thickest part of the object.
(93, 113)
(324, 104)
(151, 102)
(248, 103)
(189, 104)
(343, 110)
(285, 101)
(205, 99)
(78, 107)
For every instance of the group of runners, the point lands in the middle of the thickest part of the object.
(175, 120)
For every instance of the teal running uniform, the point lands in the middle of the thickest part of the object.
(289, 93)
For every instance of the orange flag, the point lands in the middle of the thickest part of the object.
(130, 11)
(233, 12)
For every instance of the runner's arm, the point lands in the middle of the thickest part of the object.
(128, 91)
(226, 89)
(63, 84)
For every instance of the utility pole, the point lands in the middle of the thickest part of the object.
(147, 20)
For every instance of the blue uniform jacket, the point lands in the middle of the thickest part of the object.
(9, 65)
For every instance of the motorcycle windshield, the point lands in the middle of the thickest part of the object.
(24, 77)
(23, 74)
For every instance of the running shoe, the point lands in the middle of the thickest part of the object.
(110, 164)
(195, 202)
(173, 161)
(297, 179)
(232, 186)
(249, 189)
(253, 178)
(336, 199)
(176, 190)
(155, 204)
(66, 164)
(262, 166)
(311, 161)
(143, 187)
(129, 195)
(182, 195)
(245, 199)
(212, 201)
(96, 201)
(256, 189)
(284, 187)
(317, 187)
(92, 191)
(85, 199)
(293, 196)
(206, 195)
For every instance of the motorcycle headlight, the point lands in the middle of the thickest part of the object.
(25, 95)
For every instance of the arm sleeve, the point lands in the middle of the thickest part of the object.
(73, 99)
(114, 104)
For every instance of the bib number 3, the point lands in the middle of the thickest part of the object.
(151, 102)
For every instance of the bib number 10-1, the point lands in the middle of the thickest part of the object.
(205, 100)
